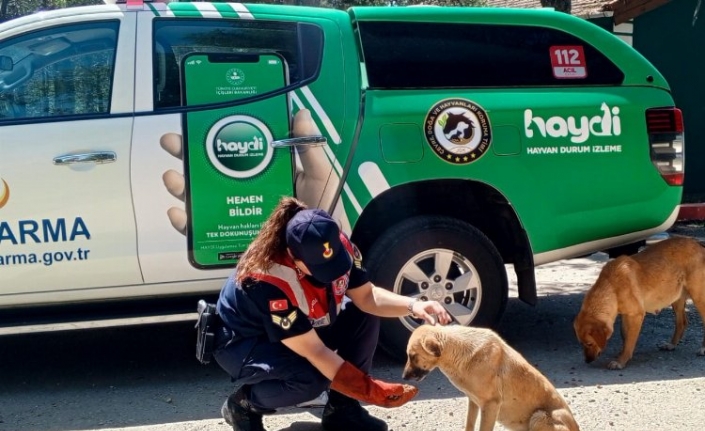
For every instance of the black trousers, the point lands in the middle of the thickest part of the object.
(278, 377)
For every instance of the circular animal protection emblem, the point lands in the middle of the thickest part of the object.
(238, 146)
(458, 130)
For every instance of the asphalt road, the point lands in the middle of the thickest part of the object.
(147, 379)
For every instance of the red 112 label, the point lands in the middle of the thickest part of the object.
(568, 62)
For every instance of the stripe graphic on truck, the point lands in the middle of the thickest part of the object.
(337, 168)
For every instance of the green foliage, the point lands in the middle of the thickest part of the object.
(14, 8)
(344, 4)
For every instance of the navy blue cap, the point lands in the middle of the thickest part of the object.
(314, 238)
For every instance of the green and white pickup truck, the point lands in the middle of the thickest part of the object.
(142, 144)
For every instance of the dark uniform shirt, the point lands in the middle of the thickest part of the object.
(262, 309)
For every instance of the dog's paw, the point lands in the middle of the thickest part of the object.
(667, 347)
(701, 352)
(614, 365)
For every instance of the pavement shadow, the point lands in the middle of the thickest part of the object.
(105, 378)
(303, 426)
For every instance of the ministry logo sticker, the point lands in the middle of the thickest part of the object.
(458, 130)
(235, 76)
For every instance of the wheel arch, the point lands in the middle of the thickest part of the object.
(474, 202)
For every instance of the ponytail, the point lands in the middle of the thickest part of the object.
(270, 244)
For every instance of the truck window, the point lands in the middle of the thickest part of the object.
(441, 55)
(300, 44)
(61, 71)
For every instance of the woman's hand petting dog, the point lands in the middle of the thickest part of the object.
(432, 312)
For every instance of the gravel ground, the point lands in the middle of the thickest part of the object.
(146, 379)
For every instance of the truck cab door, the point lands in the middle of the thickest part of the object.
(66, 216)
(316, 105)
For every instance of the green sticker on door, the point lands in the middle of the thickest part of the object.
(234, 177)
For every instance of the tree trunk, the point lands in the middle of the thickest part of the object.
(3, 9)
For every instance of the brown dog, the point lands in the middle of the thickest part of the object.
(499, 382)
(666, 273)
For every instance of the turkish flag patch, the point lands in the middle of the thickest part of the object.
(278, 305)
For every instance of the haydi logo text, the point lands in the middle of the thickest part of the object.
(240, 147)
(579, 129)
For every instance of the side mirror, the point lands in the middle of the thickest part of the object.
(6, 63)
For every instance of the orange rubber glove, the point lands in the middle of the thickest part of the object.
(354, 383)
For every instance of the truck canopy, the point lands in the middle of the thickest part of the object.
(637, 69)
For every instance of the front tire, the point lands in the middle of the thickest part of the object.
(443, 259)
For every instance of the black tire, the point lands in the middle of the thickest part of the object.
(426, 241)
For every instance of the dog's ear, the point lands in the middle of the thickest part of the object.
(600, 333)
(432, 345)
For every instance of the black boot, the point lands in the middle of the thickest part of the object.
(346, 414)
(240, 414)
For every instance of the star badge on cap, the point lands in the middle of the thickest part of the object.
(327, 251)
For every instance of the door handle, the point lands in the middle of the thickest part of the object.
(98, 157)
(313, 141)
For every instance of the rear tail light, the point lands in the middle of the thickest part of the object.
(665, 128)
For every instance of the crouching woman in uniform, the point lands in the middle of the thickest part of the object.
(300, 316)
